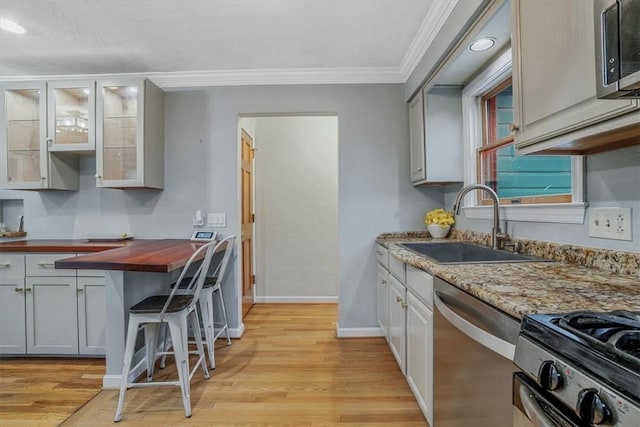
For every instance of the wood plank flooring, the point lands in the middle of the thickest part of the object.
(45, 392)
(288, 369)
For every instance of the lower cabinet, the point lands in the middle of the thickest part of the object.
(58, 314)
(411, 331)
(397, 321)
(420, 353)
(52, 315)
(383, 300)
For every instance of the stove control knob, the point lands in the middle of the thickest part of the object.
(549, 376)
(591, 407)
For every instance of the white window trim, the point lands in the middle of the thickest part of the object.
(567, 213)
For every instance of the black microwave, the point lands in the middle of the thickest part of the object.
(617, 37)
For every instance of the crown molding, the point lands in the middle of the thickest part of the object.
(430, 27)
(191, 79)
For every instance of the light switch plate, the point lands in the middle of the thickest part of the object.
(610, 223)
(216, 220)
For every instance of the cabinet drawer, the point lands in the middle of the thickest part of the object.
(382, 255)
(44, 265)
(421, 283)
(11, 266)
(397, 268)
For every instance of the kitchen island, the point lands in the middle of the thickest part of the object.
(134, 270)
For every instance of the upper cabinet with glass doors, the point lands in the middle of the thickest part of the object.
(71, 116)
(24, 157)
(130, 134)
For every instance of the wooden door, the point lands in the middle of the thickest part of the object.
(248, 278)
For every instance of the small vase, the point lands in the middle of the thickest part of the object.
(438, 231)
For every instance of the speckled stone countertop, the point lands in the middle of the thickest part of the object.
(524, 288)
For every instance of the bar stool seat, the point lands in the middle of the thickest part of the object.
(176, 311)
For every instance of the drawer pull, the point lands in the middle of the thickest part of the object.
(5, 265)
(47, 264)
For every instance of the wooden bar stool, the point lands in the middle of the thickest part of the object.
(212, 285)
(177, 310)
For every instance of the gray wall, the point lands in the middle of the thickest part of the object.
(201, 145)
(612, 180)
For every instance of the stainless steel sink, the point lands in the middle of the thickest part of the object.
(466, 253)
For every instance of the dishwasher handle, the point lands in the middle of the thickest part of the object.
(493, 343)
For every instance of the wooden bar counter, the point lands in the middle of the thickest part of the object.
(134, 270)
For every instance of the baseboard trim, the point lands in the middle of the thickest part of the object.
(237, 332)
(358, 332)
(297, 300)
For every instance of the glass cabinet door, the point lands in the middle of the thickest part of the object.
(23, 127)
(71, 109)
(119, 139)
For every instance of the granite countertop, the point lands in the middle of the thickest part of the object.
(524, 288)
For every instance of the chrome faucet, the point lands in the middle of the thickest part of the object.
(496, 234)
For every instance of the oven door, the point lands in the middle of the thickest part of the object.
(533, 407)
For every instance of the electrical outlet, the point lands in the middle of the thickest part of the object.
(610, 223)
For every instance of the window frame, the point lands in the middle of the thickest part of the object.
(569, 213)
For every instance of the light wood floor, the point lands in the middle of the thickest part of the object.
(45, 392)
(288, 369)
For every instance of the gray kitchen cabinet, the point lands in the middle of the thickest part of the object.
(130, 134)
(25, 160)
(91, 315)
(382, 288)
(397, 321)
(420, 338)
(12, 305)
(435, 135)
(554, 89)
(44, 310)
(52, 315)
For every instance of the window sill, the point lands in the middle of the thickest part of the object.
(565, 213)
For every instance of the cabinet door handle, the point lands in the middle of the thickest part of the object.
(44, 178)
(79, 290)
(418, 169)
(513, 127)
(27, 289)
(384, 282)
(404, 305)
(98, 176)
(398, 299)
(47, 264)
(18, 289)
(5, 265)
(379, 252)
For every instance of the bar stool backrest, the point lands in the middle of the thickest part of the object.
(198, 279)
(221, 270)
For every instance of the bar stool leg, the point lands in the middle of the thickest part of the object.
(151, 341)
(132, 334)
(224, 315)
(206, 309)
(202, 358)
(179, 338)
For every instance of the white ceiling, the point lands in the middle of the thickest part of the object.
(230, 40)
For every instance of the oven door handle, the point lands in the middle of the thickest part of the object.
(492, 342)
(532, 409)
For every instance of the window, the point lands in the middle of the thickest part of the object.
(531, 188)
(516, 179)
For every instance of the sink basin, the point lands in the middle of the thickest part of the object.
(466, 253)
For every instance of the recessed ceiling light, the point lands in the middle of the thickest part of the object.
(11, 26)
(480, 45)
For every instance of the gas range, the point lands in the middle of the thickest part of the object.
(587, 361)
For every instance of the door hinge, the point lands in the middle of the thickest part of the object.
(253, 217)
(253, 279)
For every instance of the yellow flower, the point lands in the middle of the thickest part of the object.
(440, 217)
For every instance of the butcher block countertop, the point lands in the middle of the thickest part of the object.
(537, 287)
(156, 256)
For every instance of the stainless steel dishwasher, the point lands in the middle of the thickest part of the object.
(473, 346)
